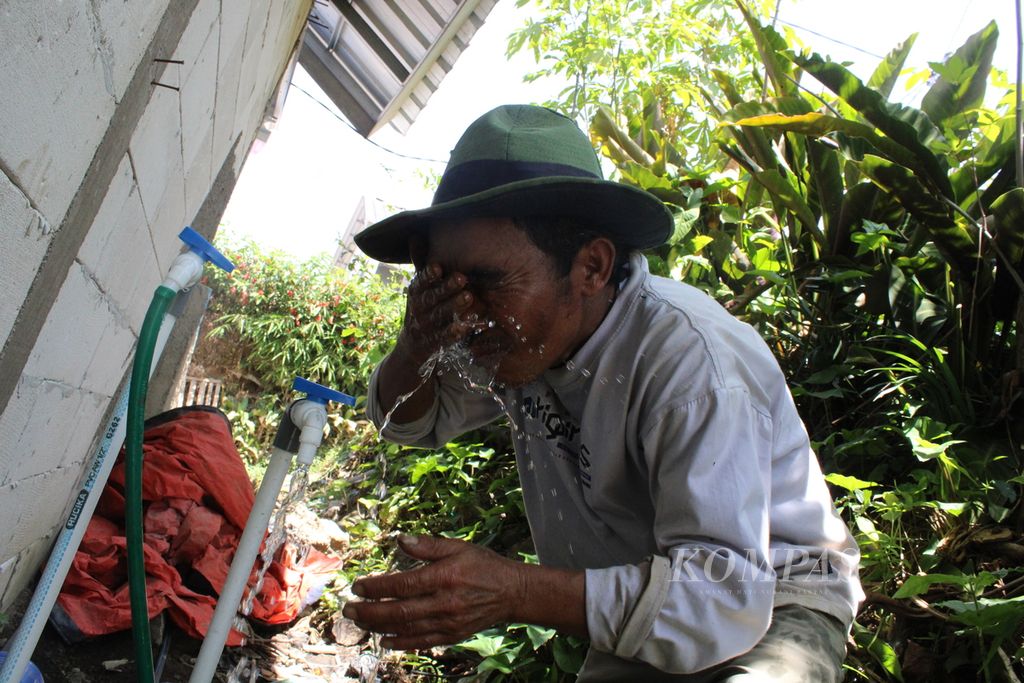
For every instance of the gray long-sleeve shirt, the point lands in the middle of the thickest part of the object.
(667, 459)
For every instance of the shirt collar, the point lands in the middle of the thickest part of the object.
(583, 364)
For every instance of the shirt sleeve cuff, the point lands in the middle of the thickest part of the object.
(610, 593)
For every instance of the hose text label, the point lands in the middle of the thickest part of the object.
(76, 511)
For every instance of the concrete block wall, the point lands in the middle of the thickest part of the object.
(99, 171)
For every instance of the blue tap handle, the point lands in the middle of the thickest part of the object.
(198, 244)
(321, 394)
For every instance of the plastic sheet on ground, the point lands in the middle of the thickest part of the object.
(197, 497)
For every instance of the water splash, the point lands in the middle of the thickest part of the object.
(456, 359)
(274, 541)
(278, 532)
(425, 372)
(242, 669)
(367, 663)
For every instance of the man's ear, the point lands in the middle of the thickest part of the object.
(593, 265)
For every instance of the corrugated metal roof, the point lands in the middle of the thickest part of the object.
(381, 61)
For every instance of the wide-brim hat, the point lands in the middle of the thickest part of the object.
(526, 161)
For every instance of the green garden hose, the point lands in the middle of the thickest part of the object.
(162, 299)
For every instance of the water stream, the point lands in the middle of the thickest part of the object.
(455, 359)
(278, 534)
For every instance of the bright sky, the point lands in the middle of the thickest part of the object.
(297, 193)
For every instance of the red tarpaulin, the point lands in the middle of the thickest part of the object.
(197, 497)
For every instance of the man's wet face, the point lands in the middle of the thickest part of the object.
(531, 316)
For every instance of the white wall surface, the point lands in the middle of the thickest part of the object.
(70, 71)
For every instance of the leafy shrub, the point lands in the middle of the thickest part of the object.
(468, 490)
(305, 319)
(878, 249)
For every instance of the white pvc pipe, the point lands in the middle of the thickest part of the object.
(22, 644)
(241, 567)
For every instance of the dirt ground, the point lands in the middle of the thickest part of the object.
(108, 658)
(301, 652)
(318, 646)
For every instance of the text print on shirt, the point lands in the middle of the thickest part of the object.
(560, 429)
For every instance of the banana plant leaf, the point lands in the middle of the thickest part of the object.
(783, 193)
(770, 45)
(785, 190)
(858, 204)
(990, 157)
(824, 184)
(961, 82)
(739, 155)
(819, 125)
(1007, 222)
(909, 127)
(789, 106)
(923, 205)
(1002, 182)
(728, 87)
(603, 126)
(885, 75)
(755, 143)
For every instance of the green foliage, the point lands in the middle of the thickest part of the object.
(878, 248)
(274, 319)
(467, 490)
(464, 490)
(647, 61)
(523, 652)
(304, 319)
(254, 422)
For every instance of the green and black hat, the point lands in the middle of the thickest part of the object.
(525, 161)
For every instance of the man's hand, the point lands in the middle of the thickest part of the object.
(436, 313)
(464, 589)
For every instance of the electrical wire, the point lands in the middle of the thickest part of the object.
(333, 113)
(956, 29)
(829, 38)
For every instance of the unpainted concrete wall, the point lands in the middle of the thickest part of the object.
(99, 171)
